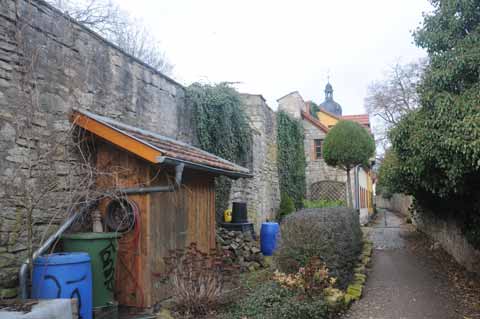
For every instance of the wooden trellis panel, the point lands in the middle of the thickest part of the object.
(328, 190)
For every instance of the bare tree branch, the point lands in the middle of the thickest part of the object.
(389, 99)
(131, 35)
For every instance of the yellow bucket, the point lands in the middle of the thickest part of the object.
(227, 215)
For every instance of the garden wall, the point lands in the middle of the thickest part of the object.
(262, 192)
(445, 231)
(448, 233)
(399, 203)
(49, 65)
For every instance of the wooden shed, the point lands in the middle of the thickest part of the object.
(171, 183)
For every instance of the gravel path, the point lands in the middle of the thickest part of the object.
(402, 284)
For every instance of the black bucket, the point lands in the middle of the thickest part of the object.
(239, 213)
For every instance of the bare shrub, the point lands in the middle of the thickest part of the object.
(332, 234)
(311, 280)
(198, 279)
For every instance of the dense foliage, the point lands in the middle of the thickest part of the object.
(323, 203)
(438, 146)
(272, 301)
(347, 145)
(222, 129)
(291, 158)
(333, 234)
(286, 206)
(314, 109)
(388, 175)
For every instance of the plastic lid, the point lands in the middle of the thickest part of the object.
(62, 258)
(269, 223)
(92, 236)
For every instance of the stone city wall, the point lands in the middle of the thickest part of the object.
(262, 192)
(49, 65)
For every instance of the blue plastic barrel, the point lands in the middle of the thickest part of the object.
(64, 275)
(268, 238)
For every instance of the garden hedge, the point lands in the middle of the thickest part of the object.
(333, 234)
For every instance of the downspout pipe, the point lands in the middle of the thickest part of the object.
(157, 189)
(22, 275)
(357, 188)
(127, 191)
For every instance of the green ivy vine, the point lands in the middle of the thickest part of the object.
(314, 109)
(291, 158)
(222, 129)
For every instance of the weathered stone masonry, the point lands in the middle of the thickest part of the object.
(262, 192)
(317, 170)
(63, 65)
(49, 65)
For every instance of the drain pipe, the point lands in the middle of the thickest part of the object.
(157, 189)
(127, 191)
(22, 275)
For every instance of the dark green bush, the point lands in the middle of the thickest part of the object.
(333, 234)
(286, 206)
(323, 203)
(437, 145)
(271, 301)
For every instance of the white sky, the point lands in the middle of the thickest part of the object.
(274, 47)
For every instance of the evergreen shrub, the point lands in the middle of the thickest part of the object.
(333, 234)
(323, 203)
(286, 206)
(272, 301)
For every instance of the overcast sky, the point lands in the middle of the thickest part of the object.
(274, 47)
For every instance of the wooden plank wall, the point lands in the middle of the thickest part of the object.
(199, 194)
(178, 219)
(167, 221)
(121, 169)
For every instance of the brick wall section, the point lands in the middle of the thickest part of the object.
(262, 192)
(74, 68)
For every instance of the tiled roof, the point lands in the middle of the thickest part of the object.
(362, 119)
(167, 148)
(314, 121)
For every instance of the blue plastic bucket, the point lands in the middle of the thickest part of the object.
(268, 238)
(64, 275)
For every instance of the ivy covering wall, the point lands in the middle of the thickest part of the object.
(291, 158)
(222, 129)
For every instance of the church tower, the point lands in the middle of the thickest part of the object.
(329, 104)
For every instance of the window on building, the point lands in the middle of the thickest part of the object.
(317, 145)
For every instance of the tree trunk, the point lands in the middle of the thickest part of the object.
(349, 190)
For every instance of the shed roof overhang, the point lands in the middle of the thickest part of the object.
(155, 148)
